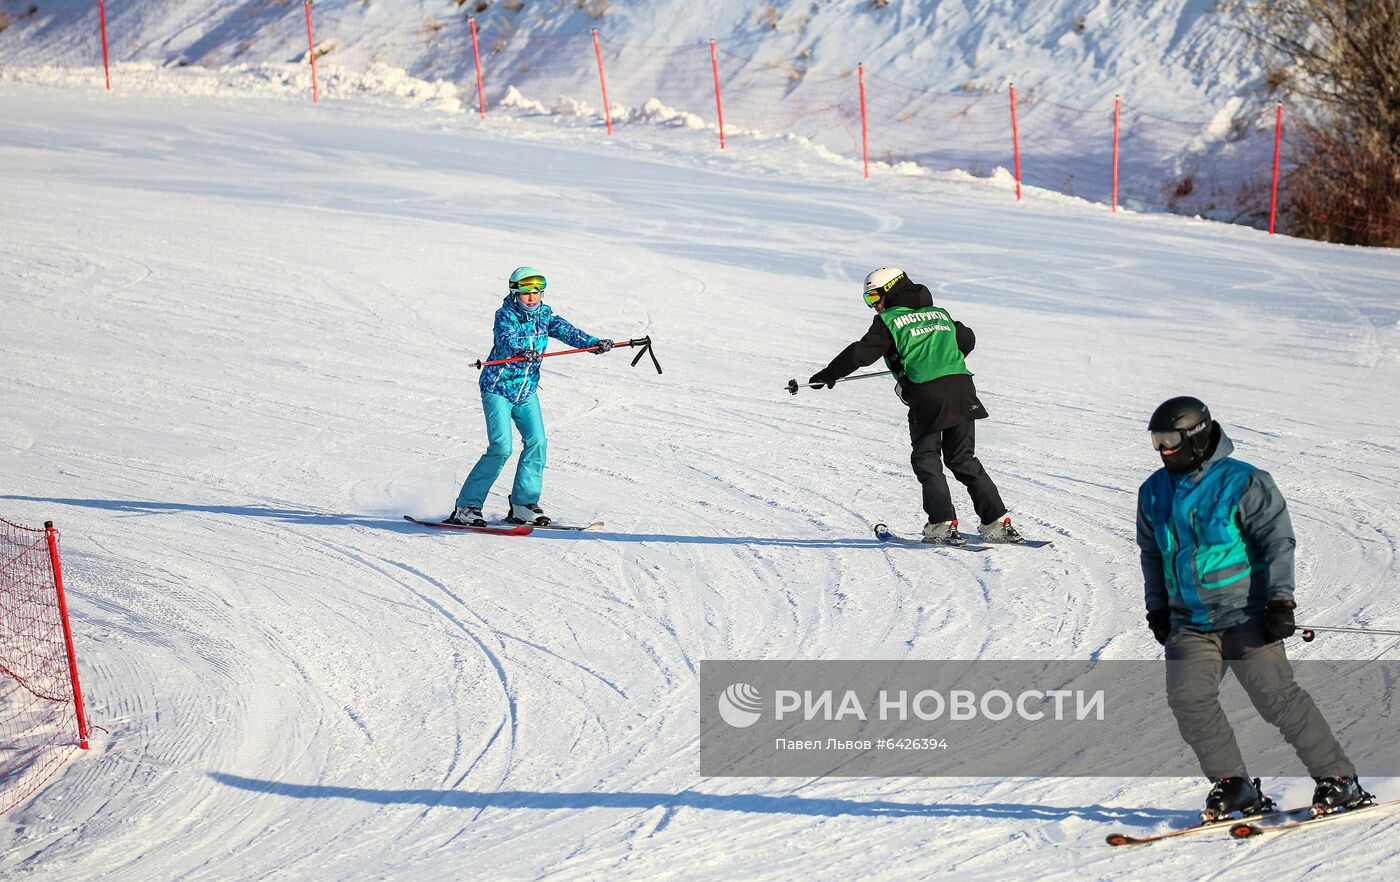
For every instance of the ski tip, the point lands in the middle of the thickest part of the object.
(1120, 839)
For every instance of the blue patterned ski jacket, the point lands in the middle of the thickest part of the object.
(1216, 544)
(516, 330)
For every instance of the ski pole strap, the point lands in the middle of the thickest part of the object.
(1308, 632)
(643, 342)
(793, 385)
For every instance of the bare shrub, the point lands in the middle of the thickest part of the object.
(1341, 191)
(1341, 63)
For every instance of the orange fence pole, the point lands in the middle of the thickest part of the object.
(311, 51)
(1015, 142)
(476, 53)
(607, 108)
(864, 126)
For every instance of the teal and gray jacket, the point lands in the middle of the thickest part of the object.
(1217, 544)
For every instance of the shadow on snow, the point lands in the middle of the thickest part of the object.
(756, 804)
(397, 525)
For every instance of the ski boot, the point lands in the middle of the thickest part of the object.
(1231, 795)
(466, 516)
(944, 533)
(1338, 795)
(527, 514)
(1000, 531)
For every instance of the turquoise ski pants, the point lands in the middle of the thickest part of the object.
(529, 473)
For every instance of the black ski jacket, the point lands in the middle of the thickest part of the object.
(933, 406)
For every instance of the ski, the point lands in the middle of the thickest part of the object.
(1231, 823)
(882, 532)
(1245, 829)
(506, 530)
(592, 527)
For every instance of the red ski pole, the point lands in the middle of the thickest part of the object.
(643, 342)
(479, 364)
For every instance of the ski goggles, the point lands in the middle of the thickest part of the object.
(872, 297)
(1172, 439)
(1167, 440)
(528, 285)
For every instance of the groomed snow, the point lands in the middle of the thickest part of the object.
(235, 340)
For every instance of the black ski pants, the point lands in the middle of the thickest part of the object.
(955, 447)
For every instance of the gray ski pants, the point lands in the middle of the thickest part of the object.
(1197, 663)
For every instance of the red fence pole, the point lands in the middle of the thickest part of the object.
(719, 108)
(476, 53)
(1015, 142)
(607, 108)
(1115, 153)
(864, 127)
(102, 16)
(1278, 138)
(311, 51)
(67, 634)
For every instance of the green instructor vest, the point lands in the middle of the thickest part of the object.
(927, 342)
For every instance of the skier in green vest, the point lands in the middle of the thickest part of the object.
(924, 348)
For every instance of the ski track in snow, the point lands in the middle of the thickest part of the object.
(237, 344)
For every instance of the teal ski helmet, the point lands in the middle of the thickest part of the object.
(526, 279)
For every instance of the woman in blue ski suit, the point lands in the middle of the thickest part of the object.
(523, 327)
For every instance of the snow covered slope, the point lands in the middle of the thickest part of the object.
(1181, 58)
(235, 336)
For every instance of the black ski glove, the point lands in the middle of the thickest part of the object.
(1278, 621)
(822, 378)
(604, 346)
(529, 355)
(1160, 621)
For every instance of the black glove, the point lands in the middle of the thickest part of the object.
(604, 346)
(1160, 621)
(530, 356)
(822, 378)
(1278, 621)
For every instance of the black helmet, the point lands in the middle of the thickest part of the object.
(1183, 433)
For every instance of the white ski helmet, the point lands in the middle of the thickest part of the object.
(880, 281)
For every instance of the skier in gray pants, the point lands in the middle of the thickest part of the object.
(1217, 559)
